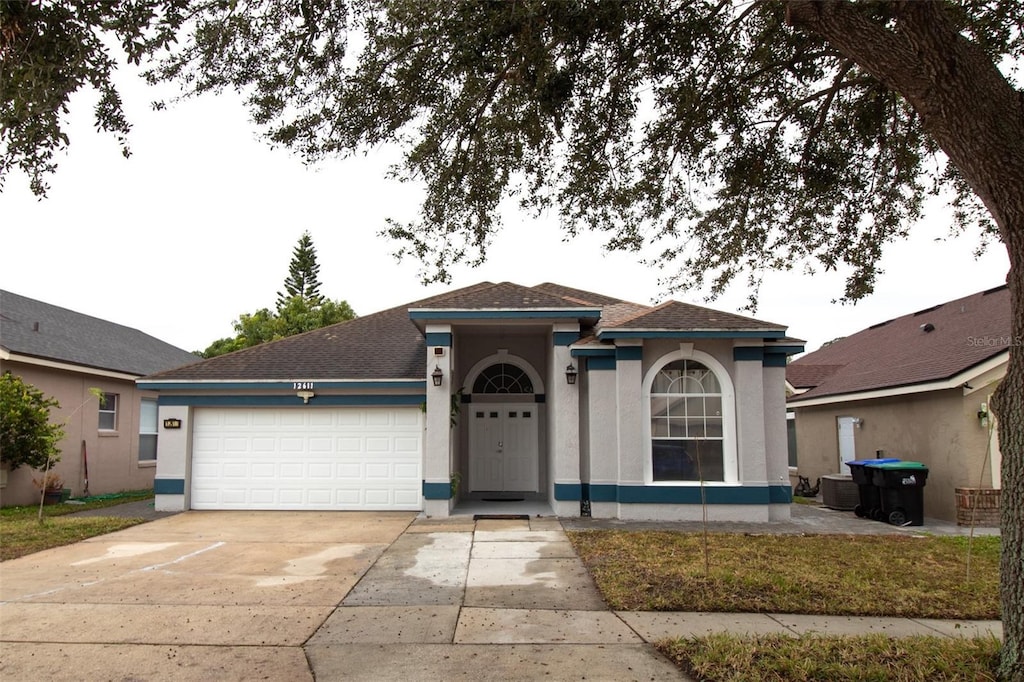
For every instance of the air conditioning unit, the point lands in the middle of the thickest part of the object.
(838, 491)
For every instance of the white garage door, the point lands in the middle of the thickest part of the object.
(311, 458)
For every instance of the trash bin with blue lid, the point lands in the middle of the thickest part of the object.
(870, 502)
(901, 489)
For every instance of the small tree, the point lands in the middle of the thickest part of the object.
(27, 436)
(303, 279)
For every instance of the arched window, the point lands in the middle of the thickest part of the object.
(503, 378)
(687, 423)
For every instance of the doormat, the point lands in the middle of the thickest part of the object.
(501, 517)
(503, 499)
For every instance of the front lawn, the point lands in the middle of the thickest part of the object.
(844, 575)
(778, 658)
(21, 533)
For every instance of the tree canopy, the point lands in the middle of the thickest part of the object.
(299, 309)
(731, 137)
(27, 436)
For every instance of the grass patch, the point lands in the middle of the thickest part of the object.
(718, 658)
(812, 501)
(21, 532)
(843, 575)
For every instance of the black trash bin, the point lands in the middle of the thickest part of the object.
(870, 502)
(901, 491)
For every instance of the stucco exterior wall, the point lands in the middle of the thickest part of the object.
(939, 428)
(113, 456)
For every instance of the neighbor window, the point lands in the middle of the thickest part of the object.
(147, 430)
(686, 423)
(108, 412)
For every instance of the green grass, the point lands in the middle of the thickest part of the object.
(845, 575)
(21, 532)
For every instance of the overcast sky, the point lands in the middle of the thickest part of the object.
(198, 226)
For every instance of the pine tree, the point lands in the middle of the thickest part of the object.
(303, 275)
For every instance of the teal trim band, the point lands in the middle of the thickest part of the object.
(600, 362)
(288, 400)
(593, 352)
(774, 359)
(507, 314)
(603, 492)
(169, 486)
(780, 494)
(276, 385)
(748, 353)
(788, 350)
(439, 339)
(437, 491)
(566, 338)
(568, 491)
(629, 353)
(723, 334)
(639, 494)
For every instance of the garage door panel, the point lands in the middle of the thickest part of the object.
(325, 458)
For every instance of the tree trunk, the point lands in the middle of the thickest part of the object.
(977, 117)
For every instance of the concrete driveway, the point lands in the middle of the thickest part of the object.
(199, 595)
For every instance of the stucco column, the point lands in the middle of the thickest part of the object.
(748, 376)
(438, 432)
(173, 459)
(564, 424)
(629, 409)
(776, 440)
(602, 453)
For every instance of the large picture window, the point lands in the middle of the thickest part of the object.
(687, 435)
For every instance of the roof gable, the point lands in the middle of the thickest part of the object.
(675, 315)
(929, 345)
(40, 330)
(501, 296)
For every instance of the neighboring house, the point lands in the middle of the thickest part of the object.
(915, 388)
(547, 393)
(64, 354)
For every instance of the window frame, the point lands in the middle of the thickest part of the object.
(155, 433)
(730, 460)
(105, 409)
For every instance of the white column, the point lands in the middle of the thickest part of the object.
(437, 438)
(564, 421)
(750, 432)
(628, 397)
(602, 421)
(173, 460)
(776, 440)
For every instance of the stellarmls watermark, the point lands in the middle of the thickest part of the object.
(993, 341)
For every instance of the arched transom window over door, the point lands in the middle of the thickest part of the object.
(503, 377)
(687, 440)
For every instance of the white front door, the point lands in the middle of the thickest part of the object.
(503, 447)
(847, 449)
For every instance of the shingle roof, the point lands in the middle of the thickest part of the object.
(503, 296)
(675, 315)
(390, 345)
(930, 345)
(33, 328)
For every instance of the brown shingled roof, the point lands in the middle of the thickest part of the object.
(502, 296)
(930, 345)
(686, 316)
(583, 297)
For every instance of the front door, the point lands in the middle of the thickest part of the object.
(503, 447)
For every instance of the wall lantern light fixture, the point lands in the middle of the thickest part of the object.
(437, 375)
(570, 374)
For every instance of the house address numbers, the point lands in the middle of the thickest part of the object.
(302, 385)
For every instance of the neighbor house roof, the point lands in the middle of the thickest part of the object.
(34, 329)
(391, 344)
(931, 345)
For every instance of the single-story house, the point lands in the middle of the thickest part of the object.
(914, 388)
(64, 354)
(583, 401)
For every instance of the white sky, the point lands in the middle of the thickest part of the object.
(199, 224)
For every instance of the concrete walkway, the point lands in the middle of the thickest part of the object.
(511, 600)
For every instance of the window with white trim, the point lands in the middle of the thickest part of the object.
(147, 430)
(687, 436)
(108, 412)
